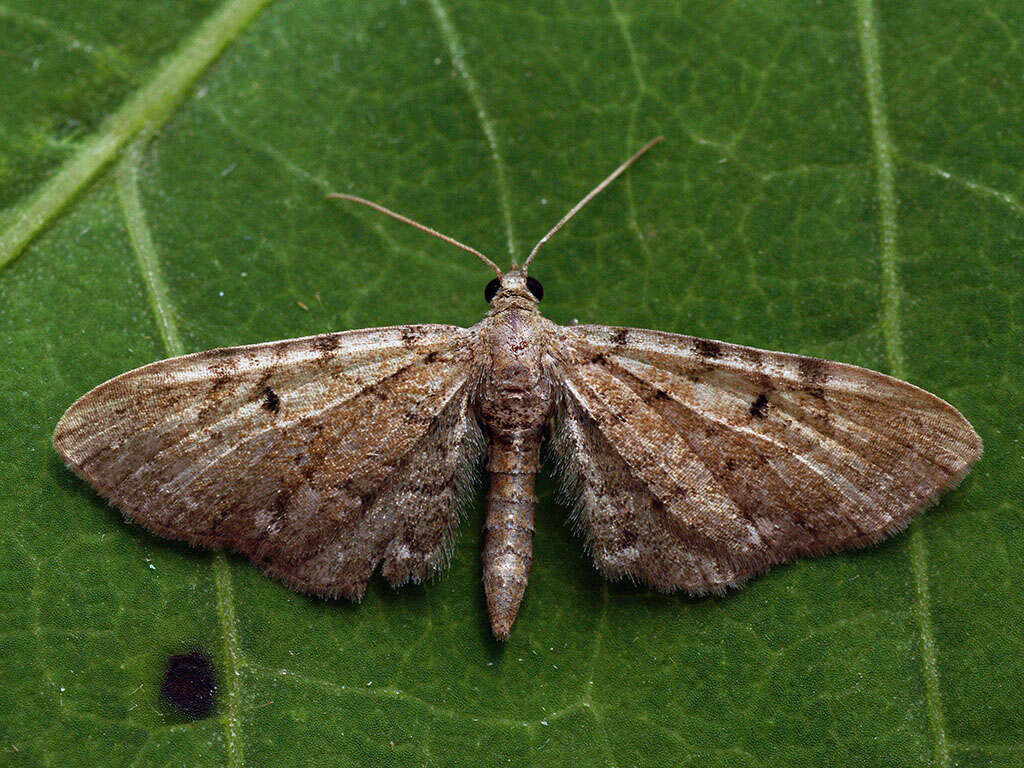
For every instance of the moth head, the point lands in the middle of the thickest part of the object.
(513, 285)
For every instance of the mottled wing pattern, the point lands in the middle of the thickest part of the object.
(319, 458)
(697, 464)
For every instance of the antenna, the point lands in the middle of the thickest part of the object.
(590, 196)
(417, 225)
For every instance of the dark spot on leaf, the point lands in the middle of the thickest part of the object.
(759, 408)
(189, 684)
(271, 401)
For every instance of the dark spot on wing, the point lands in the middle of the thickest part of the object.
(708, 348)
(759, 408)
(327, 342)
(431, 357)
(731, 464)
(189, 684)
(219, 383)
(620, 337)
(222, 362)
(652, 396)
(813, 372)
(380, 388)
(752, 357)
(712, 430)
(377, 391)
(411, 334)
(271, 401)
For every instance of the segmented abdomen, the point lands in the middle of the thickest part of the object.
(508, 528)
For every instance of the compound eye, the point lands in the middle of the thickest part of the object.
(534, 287)
(491, 289)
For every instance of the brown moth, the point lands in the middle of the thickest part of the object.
(695, 463)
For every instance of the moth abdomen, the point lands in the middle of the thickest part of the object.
(508, 530)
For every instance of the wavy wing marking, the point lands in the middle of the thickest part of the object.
(318, 458)
(698, 463)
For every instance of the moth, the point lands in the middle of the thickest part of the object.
(693, 464)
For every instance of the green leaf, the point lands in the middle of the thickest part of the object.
(837, 180)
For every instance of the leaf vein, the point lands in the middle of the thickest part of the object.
(458, 54)
(156, 288)
(982, 190)
(148, 107)
(622, 22)
(297, 171)
(867, 30)
(389, 693)
(70, 42)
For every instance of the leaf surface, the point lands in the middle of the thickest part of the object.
(837, 180)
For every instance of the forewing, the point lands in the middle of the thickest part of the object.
(318, 458)
(698, 463)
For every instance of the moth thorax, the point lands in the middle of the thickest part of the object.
(515, 393)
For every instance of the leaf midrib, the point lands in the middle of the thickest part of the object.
(892, 333)
(159, 300)
(149, 107)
